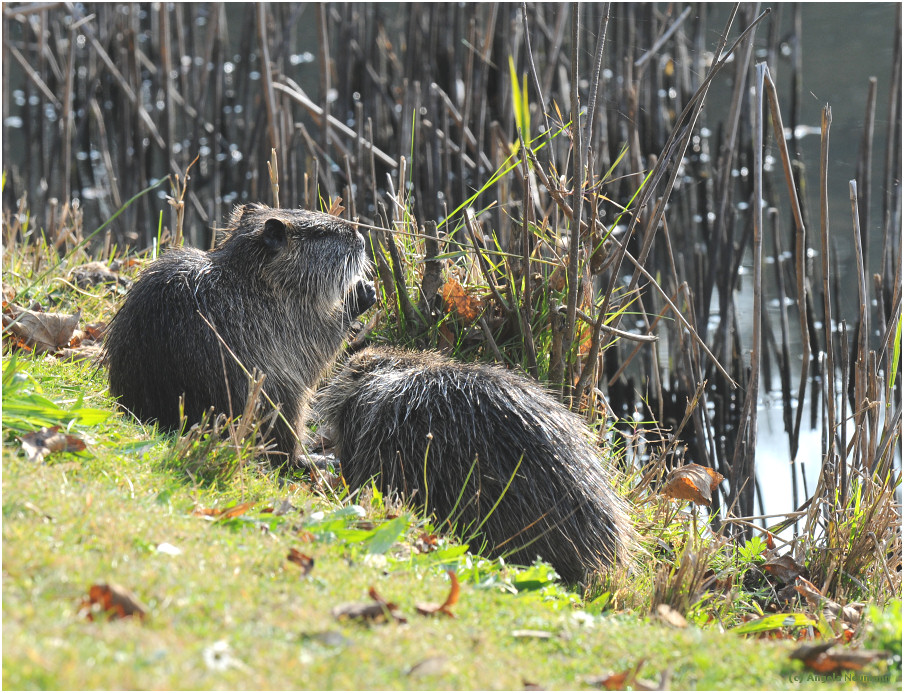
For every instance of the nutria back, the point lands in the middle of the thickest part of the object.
(483, 448)
(277, 294)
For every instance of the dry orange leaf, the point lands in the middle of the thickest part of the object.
(693, 483)
(40, 443)
(459, 301)
(302, 560)
(116, 601)
(429, 609)
(224, 513)
(826, 658)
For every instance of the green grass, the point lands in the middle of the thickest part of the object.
(230, 612)
(99, 516)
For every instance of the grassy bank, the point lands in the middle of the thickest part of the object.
(225, 608)
(229, 611)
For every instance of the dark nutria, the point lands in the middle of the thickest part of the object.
(281, 289)
(479, 435)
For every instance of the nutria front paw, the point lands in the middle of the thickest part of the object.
(362, 297)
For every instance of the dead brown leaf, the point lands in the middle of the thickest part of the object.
(460, 302)
(619, 681)
(379, 610)
(43, 332)
(116, 601)
(849, 615)
(40, 443)
(827, 658)
(93, 273)
(784, 568)
(9, 293)
(429, 609)
(302, 560)
(692, 482)
(336, 208)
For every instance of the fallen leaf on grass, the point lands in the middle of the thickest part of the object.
(826, 658)
(670, 617)
(43, 332)
(94, 273)
(116, 601)
(92, 335)
(283, 507)
(429, 609)
(849, 615)
(379, 610)
(302, 560)
(611, 682)
(40, 443)
(224, 513)
(692, 482)
(426, 543)
(431, 666)
(620, 681)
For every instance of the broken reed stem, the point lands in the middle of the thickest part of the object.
(527, 333)
(865, 165)
(269, 96)
(273, 169)
(862, 348)
(829, 383)
(800, 245)
(574, 249)
(743, 462)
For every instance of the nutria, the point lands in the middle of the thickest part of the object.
(479, 435)
(280, 288)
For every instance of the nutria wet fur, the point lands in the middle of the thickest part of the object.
(281, 288)
(479, 428)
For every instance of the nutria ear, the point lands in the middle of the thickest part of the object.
(274, 234)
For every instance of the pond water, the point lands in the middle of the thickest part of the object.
(843, 45)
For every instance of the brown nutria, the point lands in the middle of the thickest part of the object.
(459, 438)
(280, 288)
